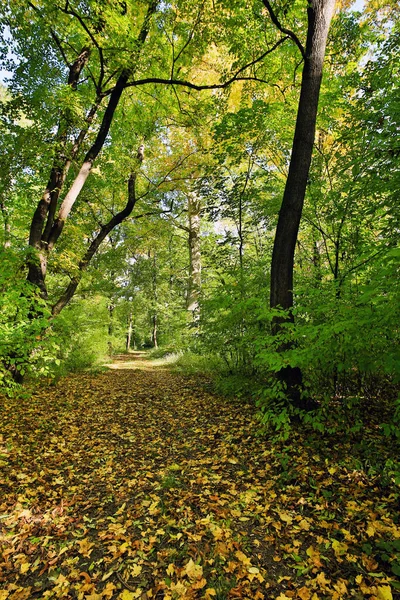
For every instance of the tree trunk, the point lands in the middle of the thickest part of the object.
(319, 17)
(154, 317)
(129, 332)
(47, 224)
(94, 246)
(194, 253)
(111, 308)
(154, 331)
(7, 225)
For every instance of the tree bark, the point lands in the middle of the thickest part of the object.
(319, 14)
(194, 284)
(44, 235)
(129, 332)
(7, 225)
(94, 246)
(43, 217)
(154, 318)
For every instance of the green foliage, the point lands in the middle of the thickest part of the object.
(81, 331)
(190, 363)
(27, 347)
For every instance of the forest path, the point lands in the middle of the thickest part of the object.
(137, 359)
(139, 483)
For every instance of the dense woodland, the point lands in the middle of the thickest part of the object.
(217, 183)
(105, 250)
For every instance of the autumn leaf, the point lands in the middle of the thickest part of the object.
(127, 595)
(24, 567)
(339, 548)
(384, 592)
(85, 547)
(193, 571)
(136, 570)
(242, 557)
(304, 593)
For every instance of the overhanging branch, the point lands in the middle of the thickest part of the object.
(282, 29)
(212, 86)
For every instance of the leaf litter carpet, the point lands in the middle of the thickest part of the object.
(138, 483)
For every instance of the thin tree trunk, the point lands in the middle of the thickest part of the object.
(154, 318)
(154, 331)
(94, 246)
(129, 332)
(43, 237)
(194, 253)
(319, 17)
(111, 308)
(7, 225)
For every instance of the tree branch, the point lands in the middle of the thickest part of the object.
(213, 86)
(94, 246)
(287, 32)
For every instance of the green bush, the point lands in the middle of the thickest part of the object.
(27, 344)
(82, 332)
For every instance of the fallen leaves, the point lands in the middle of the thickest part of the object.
(142, 485)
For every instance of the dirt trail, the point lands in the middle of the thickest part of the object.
(139, 359)
(137, 483)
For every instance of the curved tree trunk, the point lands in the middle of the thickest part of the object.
(319, 17)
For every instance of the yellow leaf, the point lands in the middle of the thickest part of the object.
(124, 547)
(216, 531)
(198, 585)
(339, 548)
(136, 570)
(127, 595)
(285, 517)
(170, 569)
(178, 589)
(314, 556)
(85, 547)
(193, 571)
(384, 592)
(305, 525)
(25, 567)
(304, 593)
(242, 557)
(322, 580)
(4, 594)
(253, 570)
(121, 510)
(370, 531)
(210, 592)
(108, 591)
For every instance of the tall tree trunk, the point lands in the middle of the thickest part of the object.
(129, 332)
(47, 224)
(194, 253)
(111, 308)
(319, 14)
(154, 317)
(154, 339)
(7, 225)
(94, 246)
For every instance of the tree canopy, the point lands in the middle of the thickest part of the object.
(201, 243)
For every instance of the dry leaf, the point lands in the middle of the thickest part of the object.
(193, 571)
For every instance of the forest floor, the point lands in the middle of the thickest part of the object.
(140, 483)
